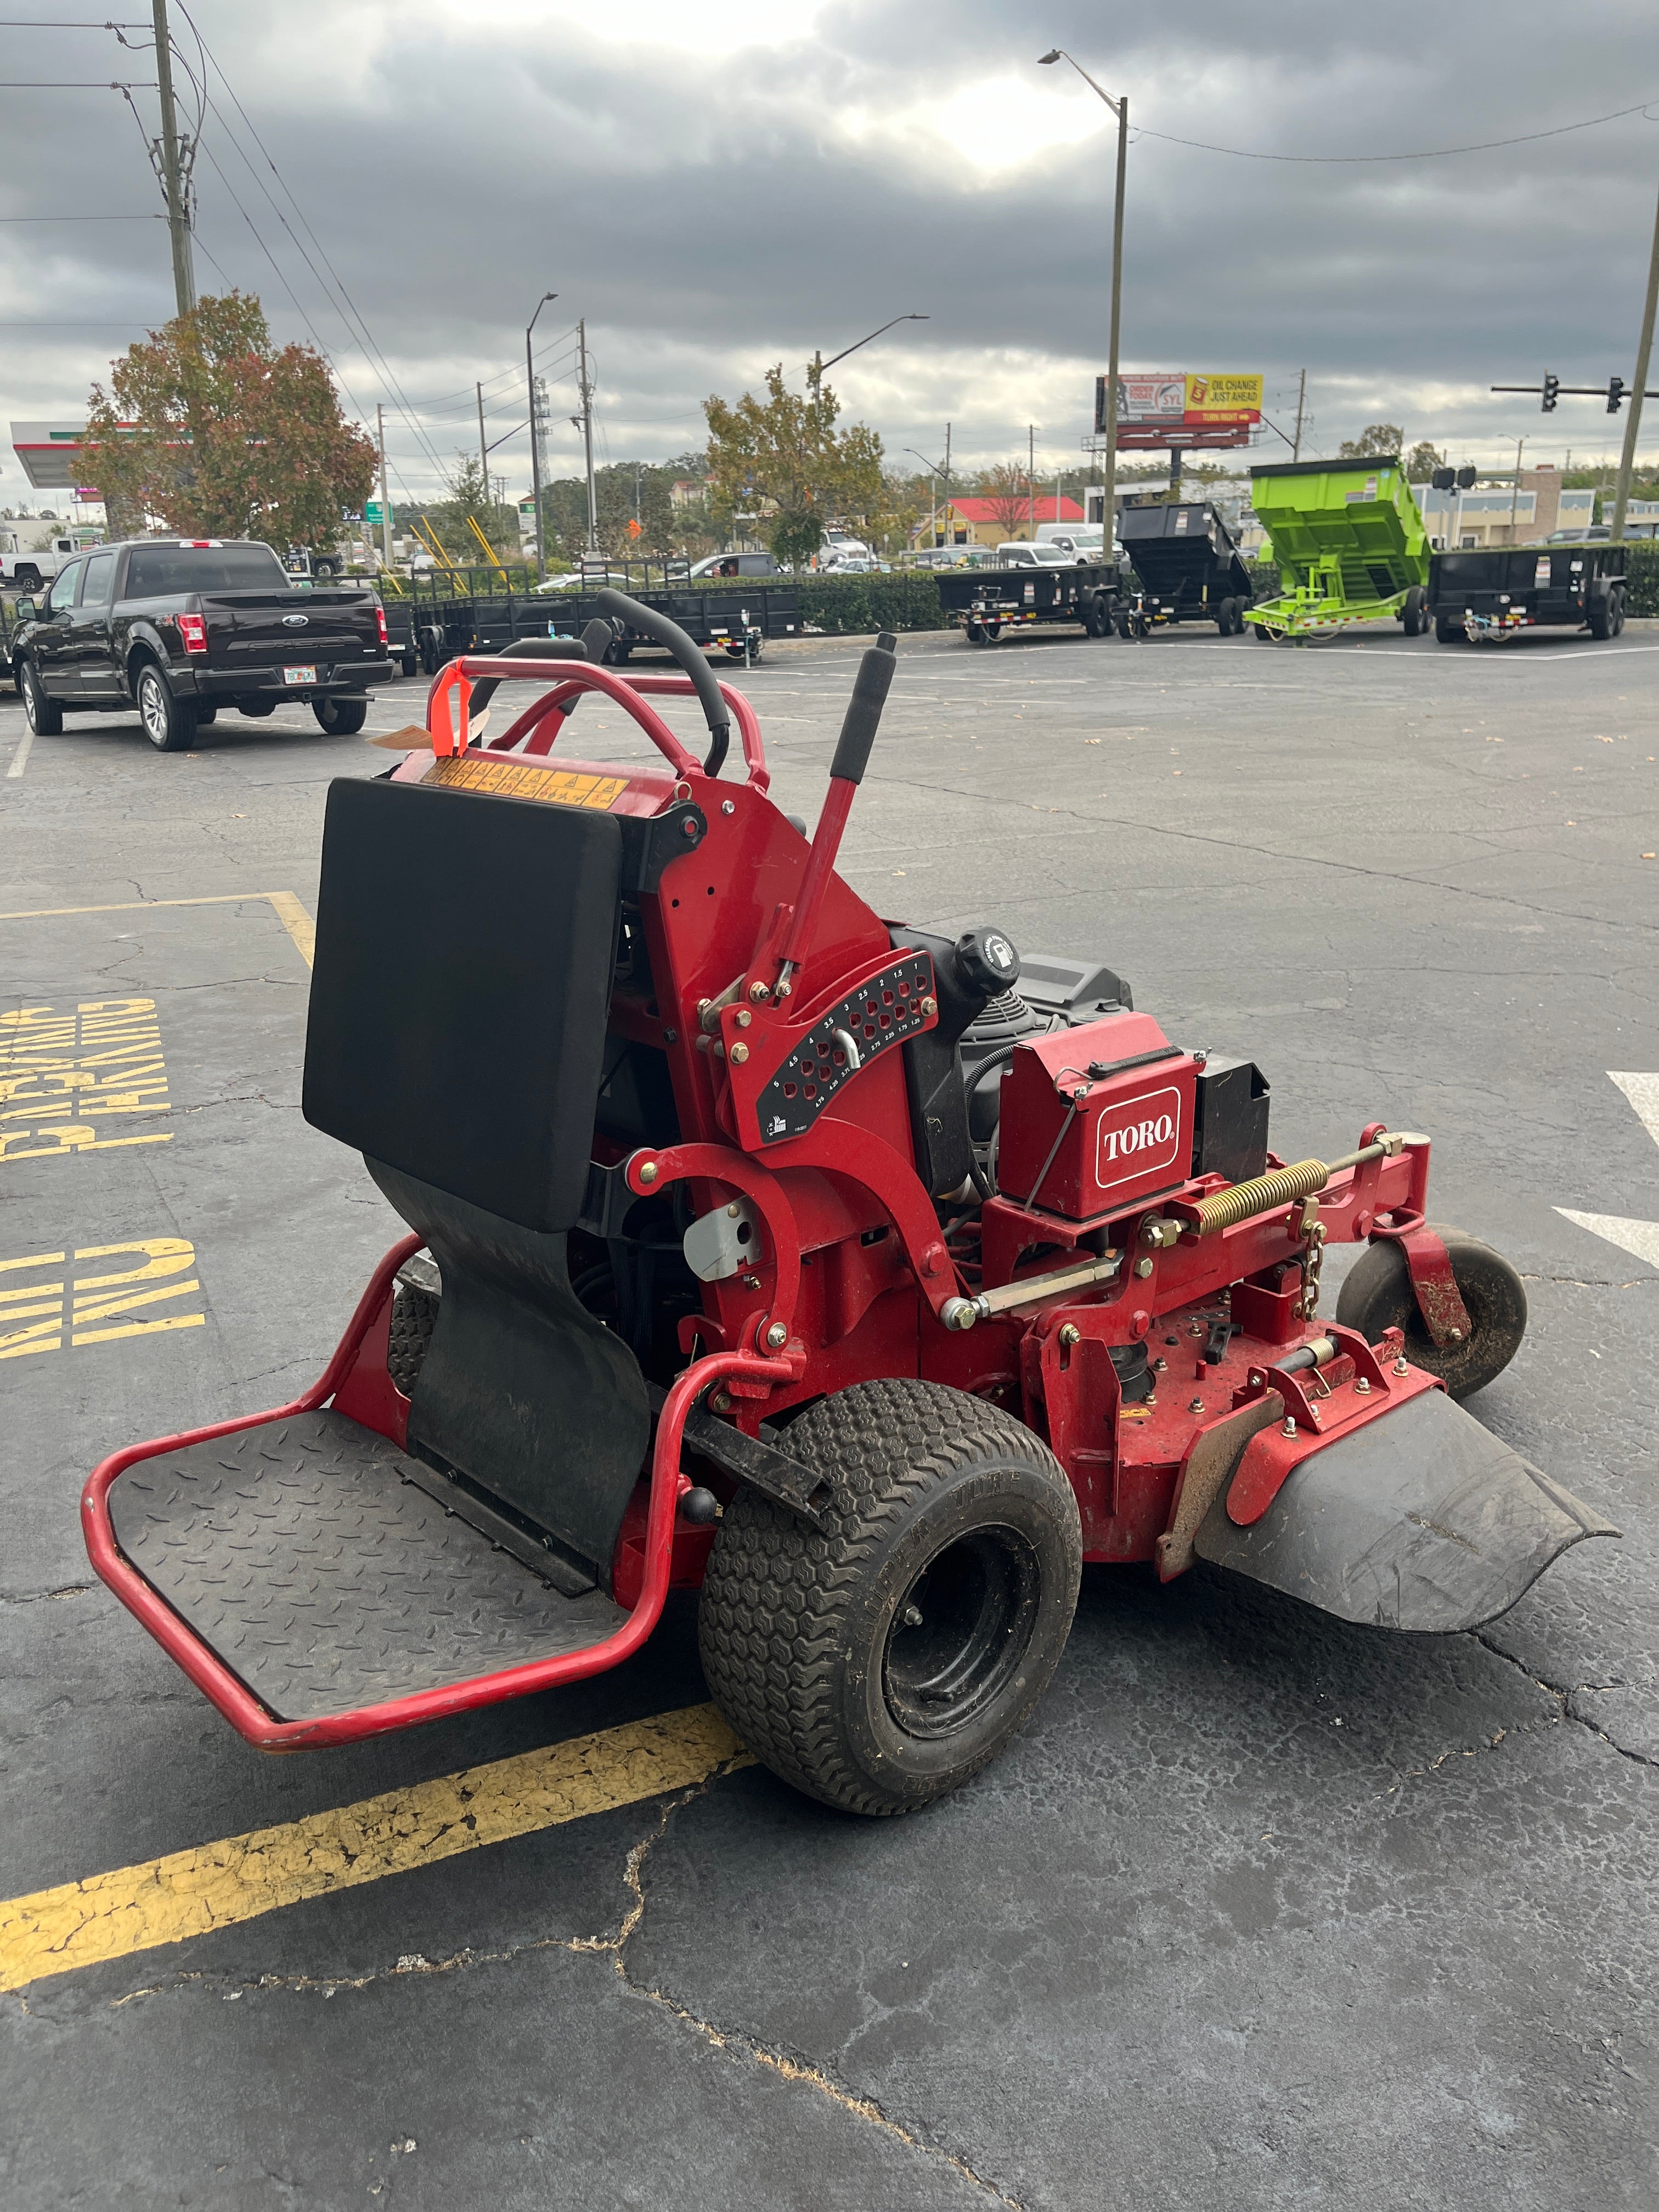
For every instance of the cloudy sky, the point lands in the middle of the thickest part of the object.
(720, 186)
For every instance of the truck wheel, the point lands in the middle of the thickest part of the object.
(1378, 1295)
(169, 722)
(1412, 614)
(880, 1663)
(45, 716)
(1448, 631)
(338, 717)
(27, 578)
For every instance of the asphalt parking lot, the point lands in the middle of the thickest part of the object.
(1260, 1910)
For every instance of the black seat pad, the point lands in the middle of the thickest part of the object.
(464, 951)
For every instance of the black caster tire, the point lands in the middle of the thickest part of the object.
(974, 633)
(1449, 633)
(413, 1317)
(340, 718)
(882, 1662)
(1378, 1295)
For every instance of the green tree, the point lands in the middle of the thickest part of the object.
(783, 461)
(472, 499)
(212, 431)
(1375, 442)
(1422, 461)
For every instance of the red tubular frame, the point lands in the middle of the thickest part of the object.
(630, 692)
(244, 1711)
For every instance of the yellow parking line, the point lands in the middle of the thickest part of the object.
(287, 909)
(166, 1900)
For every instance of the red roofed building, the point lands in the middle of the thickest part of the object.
(975, 519)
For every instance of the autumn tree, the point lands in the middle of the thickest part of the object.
(1422, 461)
(210, 430)
(1376, 442)
(1006, 491)
(782, 460)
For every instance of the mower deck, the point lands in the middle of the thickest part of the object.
(312, 1559)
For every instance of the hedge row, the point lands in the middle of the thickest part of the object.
(907, 599)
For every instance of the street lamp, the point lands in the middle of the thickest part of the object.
(535, 443)
(817, 366)
(1119, 108)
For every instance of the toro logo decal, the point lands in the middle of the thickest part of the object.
(1137, 1137)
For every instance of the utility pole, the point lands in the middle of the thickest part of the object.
(1031, 479)
(175, 170)
(386, 504)
(1300, 394)
(1633, 420)
(586, 390)
(536, 441)
(1515, 489)
(483, 450)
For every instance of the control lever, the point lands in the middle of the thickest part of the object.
(858, 735)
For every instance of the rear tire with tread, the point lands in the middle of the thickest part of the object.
(881, 1662)
(340, 718)
(169, 722)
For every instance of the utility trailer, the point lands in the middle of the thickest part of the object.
(738, 616)
(1350, 544)
(1493, 592)
(1188, 565)
(984, 602)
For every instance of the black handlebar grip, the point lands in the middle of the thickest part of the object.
(657, 627)
(863, 716)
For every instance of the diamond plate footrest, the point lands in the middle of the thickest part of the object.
(306, 1555)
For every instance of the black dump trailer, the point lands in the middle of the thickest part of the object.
(984, 602)
(1495, 591)
(1188, 566)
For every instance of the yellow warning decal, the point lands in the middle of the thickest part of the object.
(511, 779)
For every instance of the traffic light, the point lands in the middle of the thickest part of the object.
(1615, 393)
(1465, 478)
(1444, 479)
(1551, 386)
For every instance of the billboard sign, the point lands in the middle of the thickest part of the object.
(1171, 402)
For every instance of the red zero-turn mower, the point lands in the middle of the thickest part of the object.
(857, 1275)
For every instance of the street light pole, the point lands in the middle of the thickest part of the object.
(1633, 420)
(816, 366)
(1119, 108)
(535, 442)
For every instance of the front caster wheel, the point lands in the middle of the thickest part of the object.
(1378, 1295)
(880, 1663)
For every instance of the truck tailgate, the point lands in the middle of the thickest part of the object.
(258, 629)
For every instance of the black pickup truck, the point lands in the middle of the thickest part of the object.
(179, 627)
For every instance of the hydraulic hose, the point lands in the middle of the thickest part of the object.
(649, 623)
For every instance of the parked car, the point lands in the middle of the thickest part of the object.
(590, 579)
(28, 568)
(1018, 553)
(1084, 541)
(737, 564)
(179, 627)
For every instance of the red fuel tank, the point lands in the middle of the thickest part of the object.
(1097, 1119)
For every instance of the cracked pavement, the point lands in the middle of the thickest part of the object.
(1261, 1910)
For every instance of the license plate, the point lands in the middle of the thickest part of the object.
(299, 675)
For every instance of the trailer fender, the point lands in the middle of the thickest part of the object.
(1421, 1519)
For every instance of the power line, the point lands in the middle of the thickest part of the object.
(151, 217)
(1430, 154)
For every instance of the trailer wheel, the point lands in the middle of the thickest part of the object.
(1448, 632)
(1412, 614)
(880, 1663)
(1606, 613)
(974, 633)
(1094, 622)
(1227, 617)
(1378, 1295)
(1124, 624)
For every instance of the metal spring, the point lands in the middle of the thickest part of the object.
(1229, 1207)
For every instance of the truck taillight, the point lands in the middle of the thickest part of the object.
(380, 616)
(192, 628)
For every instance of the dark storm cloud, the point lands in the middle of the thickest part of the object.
(713, 208)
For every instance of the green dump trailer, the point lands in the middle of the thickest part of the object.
(1350, 544)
